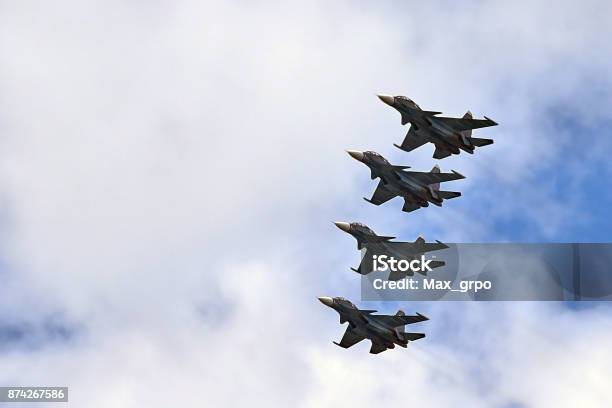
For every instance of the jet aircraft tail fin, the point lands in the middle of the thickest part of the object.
(447, 195)
(413, 336)
(468, 132)
(436, 169)
(400, 329)
(481, 142)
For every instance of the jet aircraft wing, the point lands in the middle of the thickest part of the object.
(381, 195)
(399, 320)
(349, 339)
(433, 178)
(461, 124)
(365, 265)
(413, 248)
(412, 141)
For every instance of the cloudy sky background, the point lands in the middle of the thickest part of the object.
(169, 169)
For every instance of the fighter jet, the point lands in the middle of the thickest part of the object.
(417, 188)
(449, 135)
(382, 245)
(384, 331)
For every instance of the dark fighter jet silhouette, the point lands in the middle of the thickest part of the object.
(383, 245)
(449, 135)
(384, 331)
(418, 189)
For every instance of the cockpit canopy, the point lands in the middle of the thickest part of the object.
(345, 302)
(362, 227)
(407, 101)
(375, 156)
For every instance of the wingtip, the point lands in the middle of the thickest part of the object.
(442, 243)
(422, 316)
(494, 123)
(459, 174)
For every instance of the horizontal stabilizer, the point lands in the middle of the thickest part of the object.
(433, 177)
(413, 336)
(447, 195)
(461, 176)
(491, 120)
(481, 142)
(436, 264)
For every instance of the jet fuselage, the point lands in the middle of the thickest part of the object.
(426, 125)
(366, 325)
(402, 184)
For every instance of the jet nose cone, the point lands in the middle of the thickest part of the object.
(344, 226)
(327, 301)
(356, 154)
(388, 99)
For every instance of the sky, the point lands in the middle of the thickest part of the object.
(170, 172)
